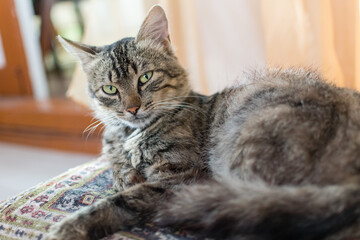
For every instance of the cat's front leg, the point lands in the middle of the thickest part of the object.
(93, 222)
(125, 176)
(131, 207)
(69, 229)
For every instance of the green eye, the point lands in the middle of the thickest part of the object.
(145, 77)
(109, 89)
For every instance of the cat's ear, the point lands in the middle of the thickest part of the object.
(83, 52)
(155, 27)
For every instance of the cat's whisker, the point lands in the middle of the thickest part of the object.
(174, 107)
(174, 102)
(92, 130)
(91, 124)
(183, 105)
(89, 128)
(167, 100)
(94, 125)
(110, 121)
(179, 97)
(101, 130)
(185, 108)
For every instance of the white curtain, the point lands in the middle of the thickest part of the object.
(214, 44)
(218, 40)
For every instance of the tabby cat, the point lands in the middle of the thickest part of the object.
(277, 158)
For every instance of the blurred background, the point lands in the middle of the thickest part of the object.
(43, 102)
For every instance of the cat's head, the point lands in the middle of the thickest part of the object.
(134, 80)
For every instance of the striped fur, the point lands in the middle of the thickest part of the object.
(277, 158)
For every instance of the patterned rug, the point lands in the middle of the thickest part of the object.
(30, 214)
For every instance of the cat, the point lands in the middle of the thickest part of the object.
(276, 158)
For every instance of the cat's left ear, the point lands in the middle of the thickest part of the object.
(155, 27)
(85, 53)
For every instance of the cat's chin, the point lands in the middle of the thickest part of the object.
(138, 122)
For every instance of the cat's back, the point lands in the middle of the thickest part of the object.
(287, 126)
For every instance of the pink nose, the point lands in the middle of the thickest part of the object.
(133, 110)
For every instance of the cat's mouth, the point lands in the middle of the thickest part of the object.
(137, 118)
(139, 121)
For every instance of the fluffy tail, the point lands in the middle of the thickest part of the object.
(258, 211)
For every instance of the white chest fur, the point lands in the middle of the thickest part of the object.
(131, 146)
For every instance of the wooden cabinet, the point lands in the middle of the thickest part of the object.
(52, 123)
(55, 123)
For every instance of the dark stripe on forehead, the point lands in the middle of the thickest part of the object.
(144, 65)
(114, 65)
(126, 57)
(121, 57)
(110, 76)
(133, 65)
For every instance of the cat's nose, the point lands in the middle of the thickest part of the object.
(133, 110)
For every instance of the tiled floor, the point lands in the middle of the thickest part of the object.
(22, 167)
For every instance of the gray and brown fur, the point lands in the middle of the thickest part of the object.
(278, 158)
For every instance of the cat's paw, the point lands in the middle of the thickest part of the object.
(125, 181)
(66, 230)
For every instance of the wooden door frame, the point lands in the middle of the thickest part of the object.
(14, 77)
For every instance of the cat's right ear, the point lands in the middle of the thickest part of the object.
(83, 52)
(155, 27)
